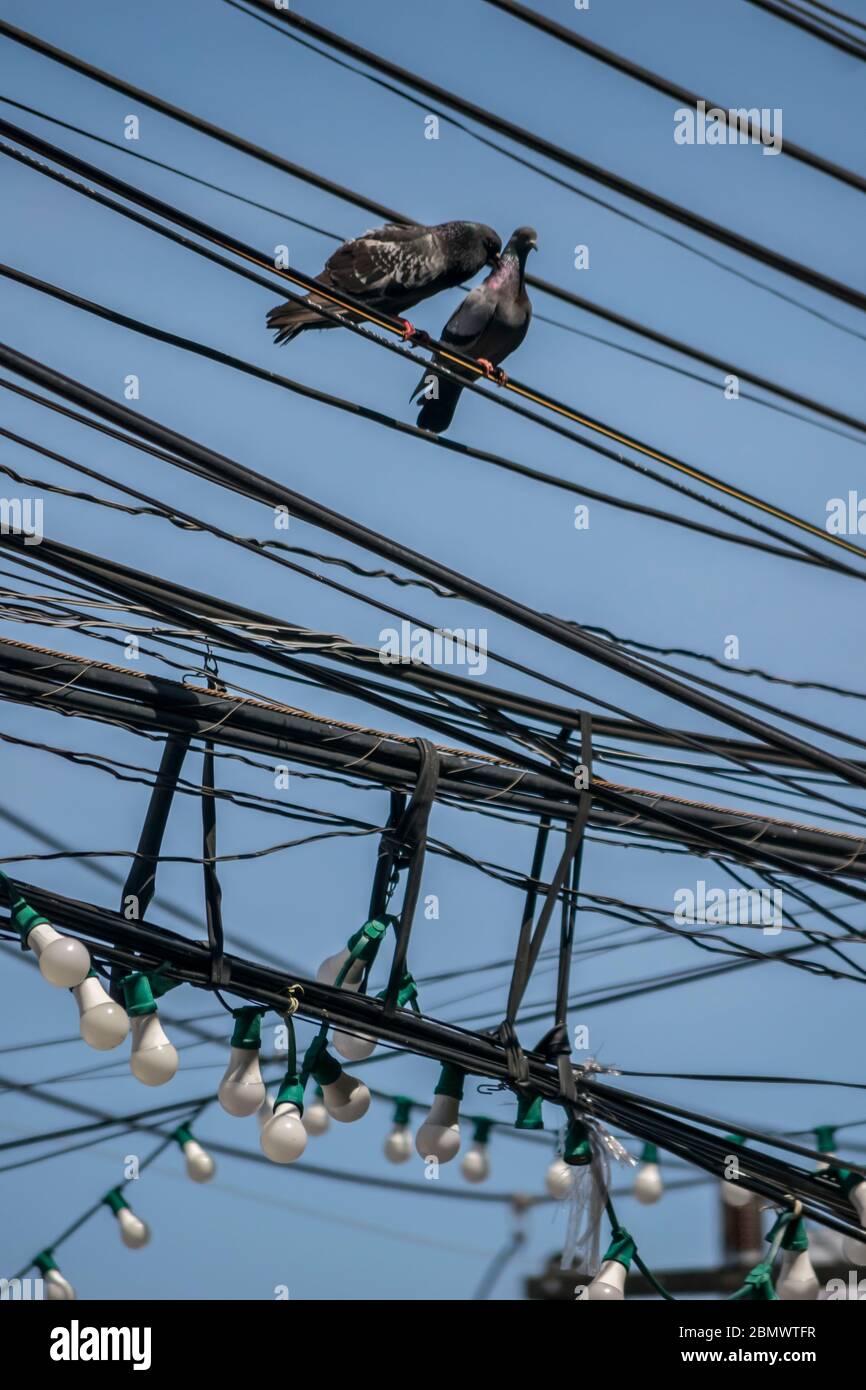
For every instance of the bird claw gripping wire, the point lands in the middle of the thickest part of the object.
(417, 336)
(495, 374)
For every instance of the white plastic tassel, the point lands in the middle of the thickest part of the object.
(588, 1197)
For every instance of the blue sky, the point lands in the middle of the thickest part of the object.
(254, 1228)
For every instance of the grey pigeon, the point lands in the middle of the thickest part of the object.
(491, 322)
(392, 268)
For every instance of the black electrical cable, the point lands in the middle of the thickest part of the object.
(828, 9)
(388, 759)
(724, 365)
(662, 84)
(819, 31)
(512, 385)
(287, 166)
(478, 1054)
(266, 622)
(564, 633)
(532, 707)
(402, 427)
(436, 847)
(706, 226)
(549, 175)
(730, 666)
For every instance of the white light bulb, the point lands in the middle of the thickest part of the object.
(558, 1179)
(609, 1283)
(354, 1047)
(475, 1165)
(199, 1164)
(331, 967)
(283, 1137)
(346, 1099)
(104, 1024)
(854, 1252)
(857, 1198)
(134, 1232)
(648, 1186)
(242, 1089)
(63, 961)
(797, 1280)
(316, 1118)
(154, 1059)
(733, 1195)
(439, 1135)
(56, 1288)
(398, 1145)
(265, 1111)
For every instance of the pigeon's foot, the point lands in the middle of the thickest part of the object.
(411, 334)
(492, 373)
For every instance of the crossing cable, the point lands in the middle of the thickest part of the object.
(847, 44)
(565, 634)
(559, 155)
(327, 185)
(499, 781)
(815, 725)
(535, 707)
(266, 622)
(731, 667)
(669, 88)
(798, 6)
(459, 717)
(591, 903)
(547, 174)
(613, 757)
(362, 697)
(271, 623)
(444, 354)
(603, 756)
(364, 412)
(838, 14)
(387, 759)
(804, 554)
(165, 512)
(724, 365)
(282, 747)
(126, 581)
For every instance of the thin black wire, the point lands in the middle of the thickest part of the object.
(555, 291)
(558, 155)
(671, 89)
(816, 28)
(634, 192)
(547, 288)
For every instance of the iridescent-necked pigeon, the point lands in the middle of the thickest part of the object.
(391, 268)
(491, 322)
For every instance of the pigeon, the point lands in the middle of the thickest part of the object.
(392, 268)
(491, 322)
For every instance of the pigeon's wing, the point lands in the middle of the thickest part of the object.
(466, 327)
(471, 320)
(396, 231)
(385, 259)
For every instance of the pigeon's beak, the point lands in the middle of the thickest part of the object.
(533, 246)
(494, 260)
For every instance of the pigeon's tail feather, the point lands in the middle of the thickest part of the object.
(437, 411)
(290, 319)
